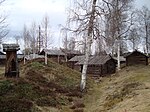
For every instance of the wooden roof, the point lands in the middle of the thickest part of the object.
(33, 56)
(60, 52)
(53, 52)
(122, 59)
(96, 60)
(77, 58)
(136, 51)
(10, 47)
(18, 56)
(71, 51)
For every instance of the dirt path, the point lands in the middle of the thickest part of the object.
(126, 91)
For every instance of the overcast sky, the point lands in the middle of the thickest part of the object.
(22, 12)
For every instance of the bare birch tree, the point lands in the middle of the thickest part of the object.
(144, 20)
(83, 21)
(100, 47)
(118, 22)
(26, 36)
(33, 38)
(46, 34)
(89, 42)
(65, 40)
(134, 38)
(3, 24)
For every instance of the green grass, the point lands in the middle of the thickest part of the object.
(55, 88)
(39, 85)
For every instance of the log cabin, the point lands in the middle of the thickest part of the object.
(60, 56)
(136, 58)
(98, 65)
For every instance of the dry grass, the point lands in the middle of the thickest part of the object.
(2, 71)
(55, 88)
(40, 87)
(126, 91)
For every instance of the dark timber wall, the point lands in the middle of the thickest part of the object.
(102, 70)
(136, 58)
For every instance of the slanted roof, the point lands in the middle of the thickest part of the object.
(71, 51)
(54, 52)
(77, 58)
(18, 56)
(96, 60)
(33, 56)
(10, 47)
(122, 59)
(136, 51)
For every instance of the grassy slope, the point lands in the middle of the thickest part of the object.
(40, 87)
(55, 88)
(126, 91)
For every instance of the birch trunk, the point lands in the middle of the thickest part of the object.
(118, 55)
(24, 60)
(85, 66)
(45, 57)
(146, 39)
(88, 47)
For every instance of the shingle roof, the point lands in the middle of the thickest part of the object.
(96, 60)
(18, 56)
(121, 58)
(70, 51)
(10, 47)
(33, 56)
(77, 58)
(61, 52)
(54, 52)
(134, 52)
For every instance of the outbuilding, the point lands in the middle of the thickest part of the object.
(98, 65)
(59, 55)
(136, 58)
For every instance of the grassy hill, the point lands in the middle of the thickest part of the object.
(39, 88)
(126, 91)
(55, 88)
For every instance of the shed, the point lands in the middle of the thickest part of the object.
(71, 53)
(136, 58)
(33, 56)
(72, 62)
(60, 55)
(122, 61)
(11, 65)
(55, 55)
(99, 65)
